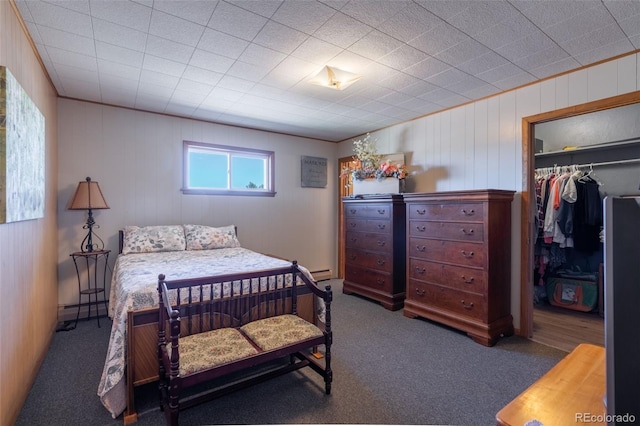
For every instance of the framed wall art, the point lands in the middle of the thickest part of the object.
(22, 153)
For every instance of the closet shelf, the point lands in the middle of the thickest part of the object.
(626, 143)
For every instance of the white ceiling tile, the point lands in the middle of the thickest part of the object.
(515, 80)
(72, 59)
(462, 52)
(482, 63)
(191, 86)
(601, 52)
(316, 51)
(127, 13)
(403, 57)
(500, 72)
(409, 23)
(148, 90)
(201, 75)
(263, 56)
(547, 14)
(222, 44)
(438, 39)
(155, 78)
(119, 97)
(109, 82)
(210, 61)
(176, 29)
(250, 72)
(23, 8)
(54, 16)
(279, 37)
(595, 39)
(506, 31)
(427, 68)
(374, 12)
(34, 33)
(236, 84)
(67, 41)
(559, 67)
(446, 9)
(164, 66)
(375, 45)
(187, 98)
(447, 77)
(481, 91)
(264, 8)
(235, 21)
(537, 59)
(168, 49)
(111, 53)
(195, 11)
(532, 43)
(306, 17)
(482, 14)
(107, 68)
(111, 33)
(342, 30)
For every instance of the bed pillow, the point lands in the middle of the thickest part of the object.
(201, 237)
(149, 239)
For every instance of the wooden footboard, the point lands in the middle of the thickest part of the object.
(142, 337)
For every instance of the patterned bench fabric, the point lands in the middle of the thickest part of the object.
(212, 348)
(278, 331)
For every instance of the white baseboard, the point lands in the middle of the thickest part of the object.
(69, 312)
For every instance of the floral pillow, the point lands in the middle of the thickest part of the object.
(201, 237)
(148, 239)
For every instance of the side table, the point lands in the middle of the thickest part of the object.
(92, 284)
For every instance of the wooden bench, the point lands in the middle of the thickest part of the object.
(210, 327)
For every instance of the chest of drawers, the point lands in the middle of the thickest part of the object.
(459, 261)
(375, 248)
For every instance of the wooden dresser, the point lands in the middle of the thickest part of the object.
(375, 248)
(459, 261)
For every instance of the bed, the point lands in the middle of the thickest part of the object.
(186, 251)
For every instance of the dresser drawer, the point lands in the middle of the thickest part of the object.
(443, 298)
(369, 241)
(466, 279)
(369, 225)
(455, 211)
(460, 253)
(381, 261)
(460, 231)
(377, 211)
(367, 277)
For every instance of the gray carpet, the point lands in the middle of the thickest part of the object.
(388, 369)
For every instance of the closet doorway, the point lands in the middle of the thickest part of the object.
(548, 324)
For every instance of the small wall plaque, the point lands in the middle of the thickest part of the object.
(314, 172)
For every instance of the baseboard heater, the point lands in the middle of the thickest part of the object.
(69, 312)
(322, 274)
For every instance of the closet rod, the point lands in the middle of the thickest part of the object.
(609, 163)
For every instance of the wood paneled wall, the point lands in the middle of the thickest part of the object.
(28, 249)
(479, 145)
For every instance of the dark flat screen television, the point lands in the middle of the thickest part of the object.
(622, 308)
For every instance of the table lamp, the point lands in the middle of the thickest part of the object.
(88, 196)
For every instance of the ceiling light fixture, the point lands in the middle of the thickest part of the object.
(334, 78)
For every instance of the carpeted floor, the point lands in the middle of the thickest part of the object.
(388, 369)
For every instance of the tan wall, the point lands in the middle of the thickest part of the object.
(28, 249)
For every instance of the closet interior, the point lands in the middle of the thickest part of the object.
(578, 162)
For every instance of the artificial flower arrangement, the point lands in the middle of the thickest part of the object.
(367, 163)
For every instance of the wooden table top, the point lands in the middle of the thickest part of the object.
(572, 390)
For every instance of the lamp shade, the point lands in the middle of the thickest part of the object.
(88, 196)
(334, 78)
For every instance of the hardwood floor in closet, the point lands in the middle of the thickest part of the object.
(565, 329)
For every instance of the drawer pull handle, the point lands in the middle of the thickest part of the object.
(354, 257)
(467, 255)
(380, 281)
(421, 228)
(380, 262)
(382, 211)
(421, 270)
(419, 292)
(421, 211)
(465, 232)
(353, 240)
(382, 226)
(381, 243)
(467, 280)
(353, 211)
(467, 306)
(468, 212)
(353, 224)
(421, 248)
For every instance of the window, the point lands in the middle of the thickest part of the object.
(227, 170)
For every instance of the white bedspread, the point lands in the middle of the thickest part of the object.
(134, 286)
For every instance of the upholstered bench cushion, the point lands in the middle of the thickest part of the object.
(278, 331)
(212, 348)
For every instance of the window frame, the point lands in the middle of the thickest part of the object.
(269, 156)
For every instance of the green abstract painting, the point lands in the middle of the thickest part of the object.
(22, 153)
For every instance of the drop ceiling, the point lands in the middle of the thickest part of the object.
(248, 62)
